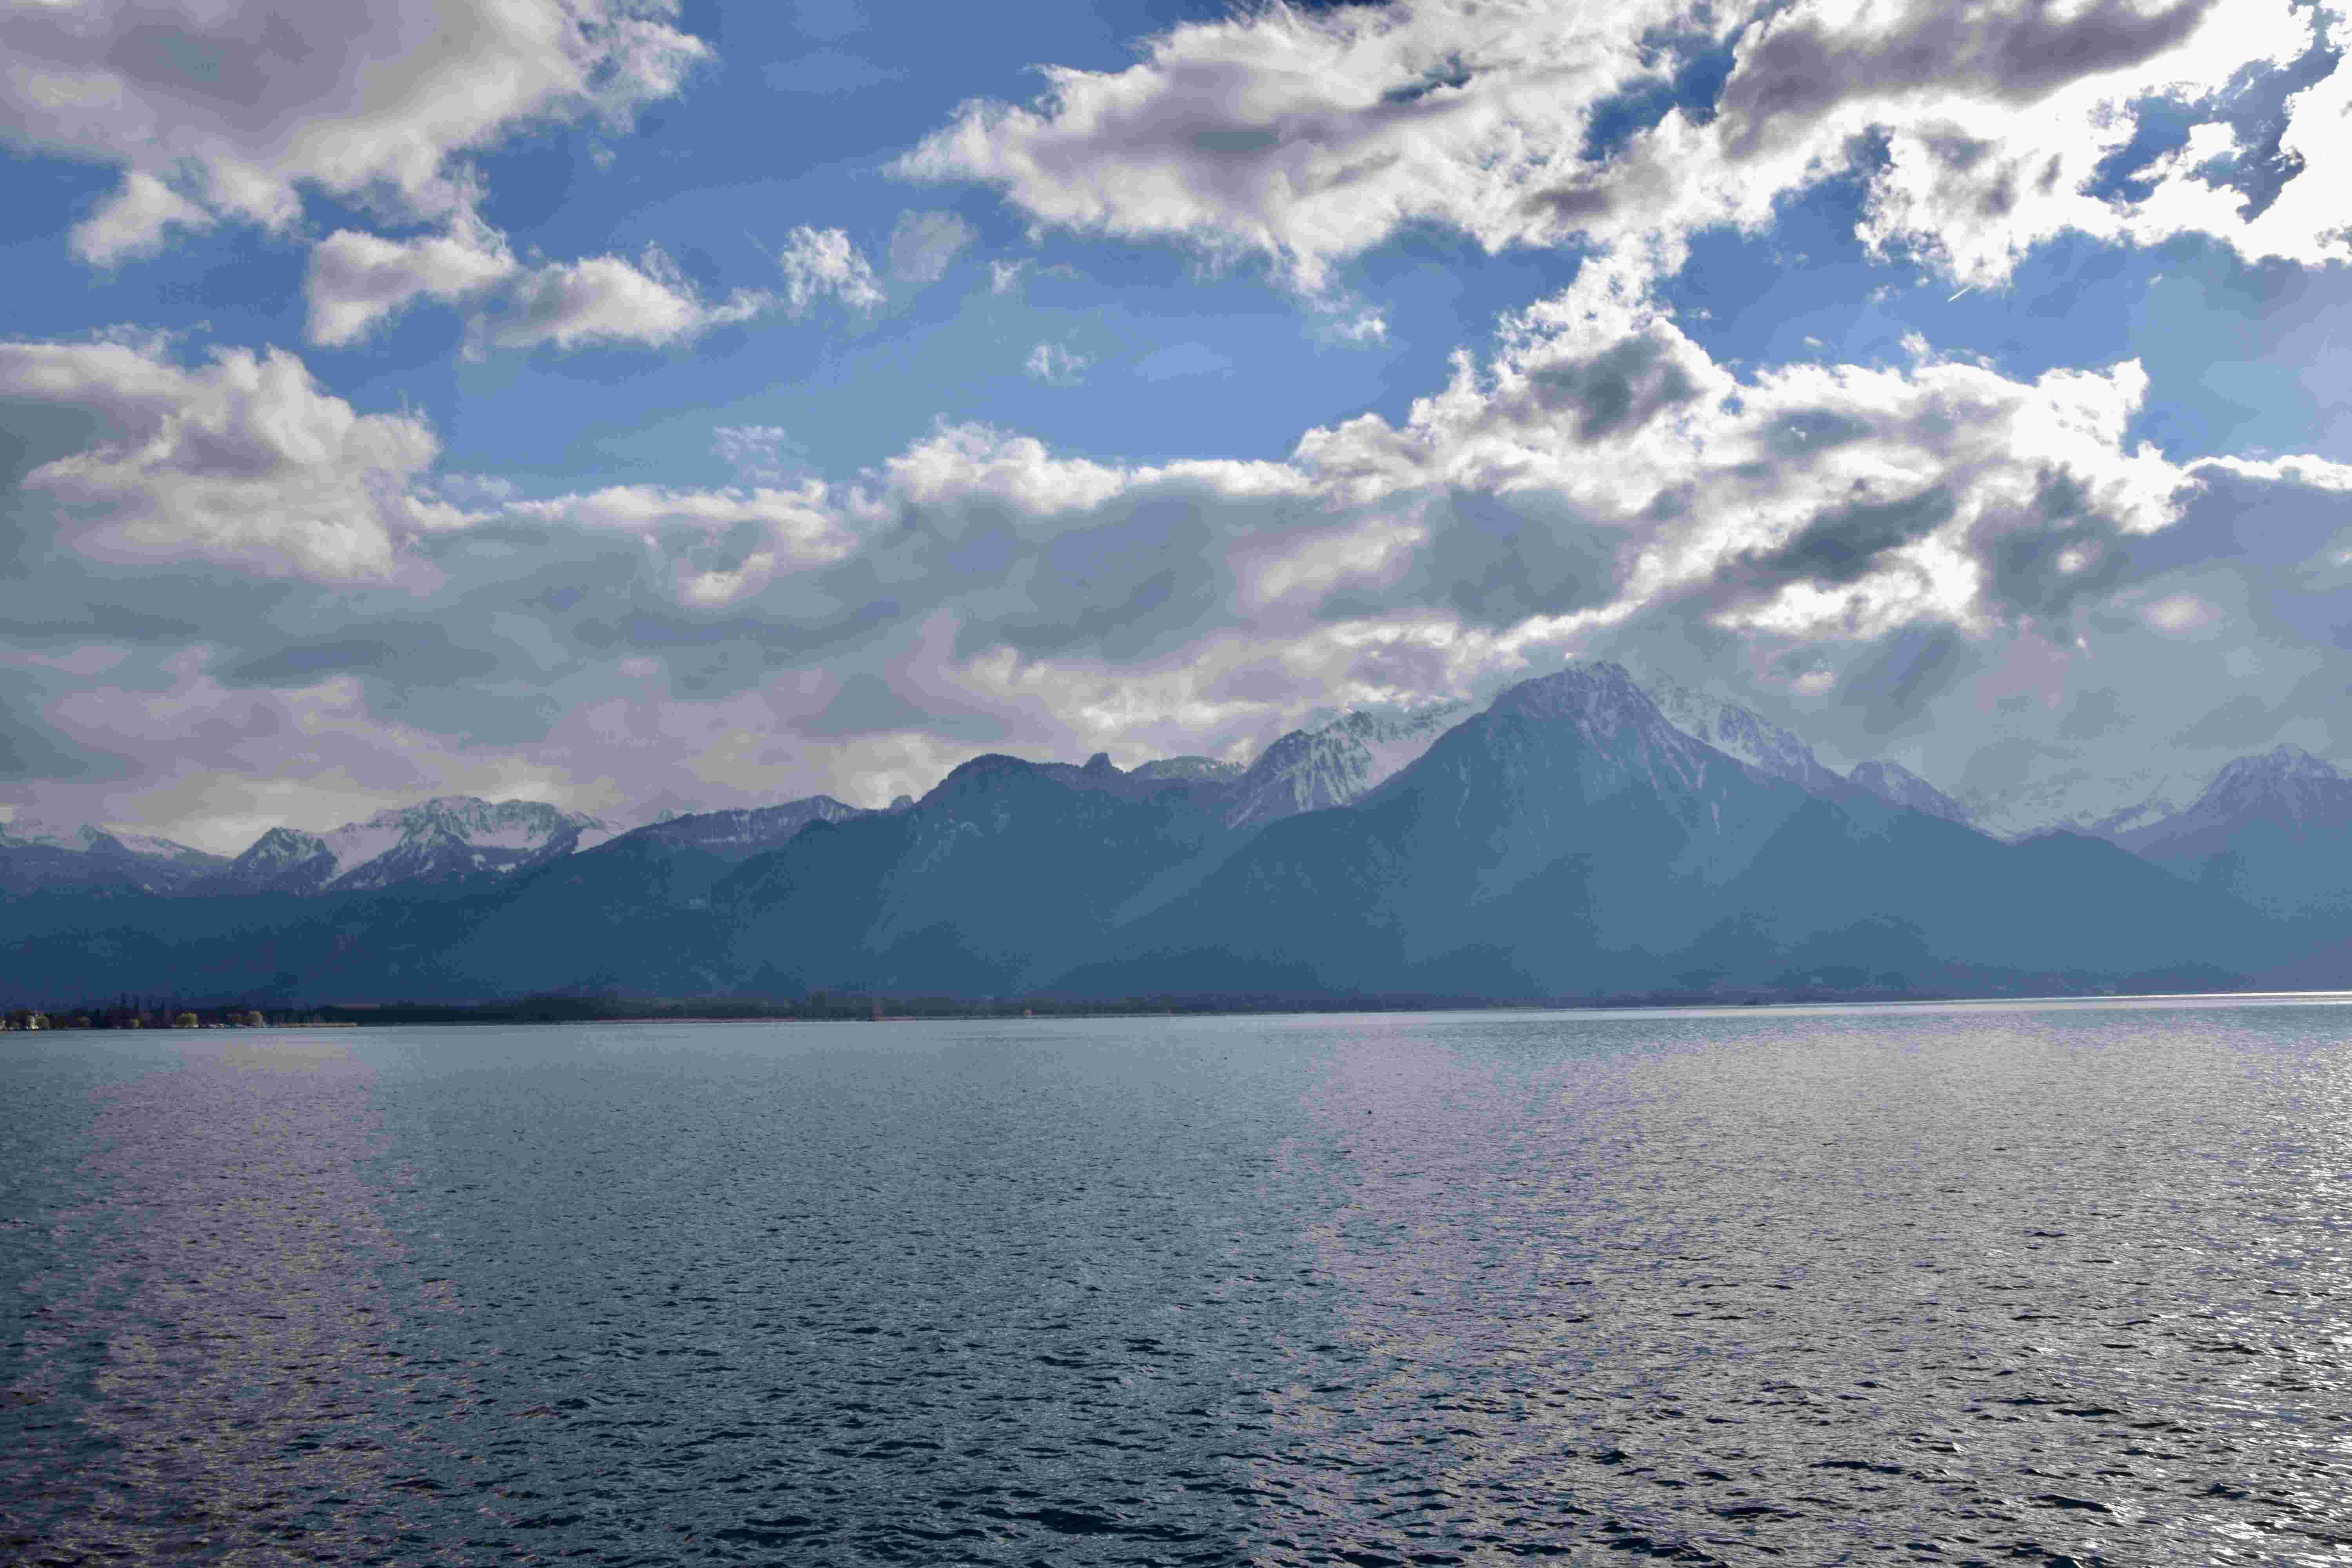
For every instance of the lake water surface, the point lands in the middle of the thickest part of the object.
(1953, 1284)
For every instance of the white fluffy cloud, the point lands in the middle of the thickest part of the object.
(243, 460)
(357, 282)
(818, 261)
(1312, 138)
(607, 300)
(216, 111)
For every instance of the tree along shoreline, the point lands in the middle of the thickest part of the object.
(847, 1007)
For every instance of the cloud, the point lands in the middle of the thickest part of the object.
(1056, 365)
(756, 452)
(1310, 138)
(819, 261)
(606, 300)
(134, 221)
(217, 112)
(358, 281)
(923, 244)
(1933, 556)
(243, 460)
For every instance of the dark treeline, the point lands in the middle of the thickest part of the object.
(838, 1007)
(161, 1013)
(831, 1007)
(127, 1011)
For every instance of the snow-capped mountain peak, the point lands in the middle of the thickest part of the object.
(45, 854)
(1740, 732)
(2287, 778)
(1894, 781)
(738, 835)
(1337, 764)
(1190, 769)
(1619, 725)
(449, 836)
(2286, 787)
(87, 838)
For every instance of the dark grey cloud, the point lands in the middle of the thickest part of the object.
(2243, 722)
(2056, 551)
(2091, 714)
(1797, 67)
(1617, 390)
(1495, 559)
(410, 653)
(867, 703)
(1848, 542)
(32, 749)
(1890, 689)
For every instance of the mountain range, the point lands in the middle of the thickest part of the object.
(1587, 834)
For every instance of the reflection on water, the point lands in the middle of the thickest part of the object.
(1951, 1285)
(228, 1324)
(2035, 1287)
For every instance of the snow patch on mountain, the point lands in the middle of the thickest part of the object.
(1190, 770)
(87, 838)
(1740, 732)
(2286, 786)
(451, 836)
(1337, 764)
(739, 834)
(1894, 781)
(1627, 735)
(42, 854)
(2081, 802)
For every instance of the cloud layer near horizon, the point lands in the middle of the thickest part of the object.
(244, 597)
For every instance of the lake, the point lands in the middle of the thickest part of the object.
(1968, 1283)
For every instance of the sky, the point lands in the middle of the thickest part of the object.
(648, 407)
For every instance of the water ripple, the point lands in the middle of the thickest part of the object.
(1971, 1284)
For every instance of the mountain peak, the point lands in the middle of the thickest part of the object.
(1894, 781)
(2282, 763)
(1740, 733)
(1584, 691)
(1337, 762)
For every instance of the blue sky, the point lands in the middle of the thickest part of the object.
(649, 406)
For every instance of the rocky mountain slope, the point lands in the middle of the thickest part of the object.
(1335, 763)
(1574, 838)
(2274, 831)
(34, 855)
(439, 840)
(1895, 783)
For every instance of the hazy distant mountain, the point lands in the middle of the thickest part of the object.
(1741, 733)
(1574, 838)
(1005, 873)
(1571, 839)
(2081, 802)
(2274, 830)
(1335, 763)
(1197, 770)
(439, 840)
(34, 855)
(1894, 781)
(739, 835)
